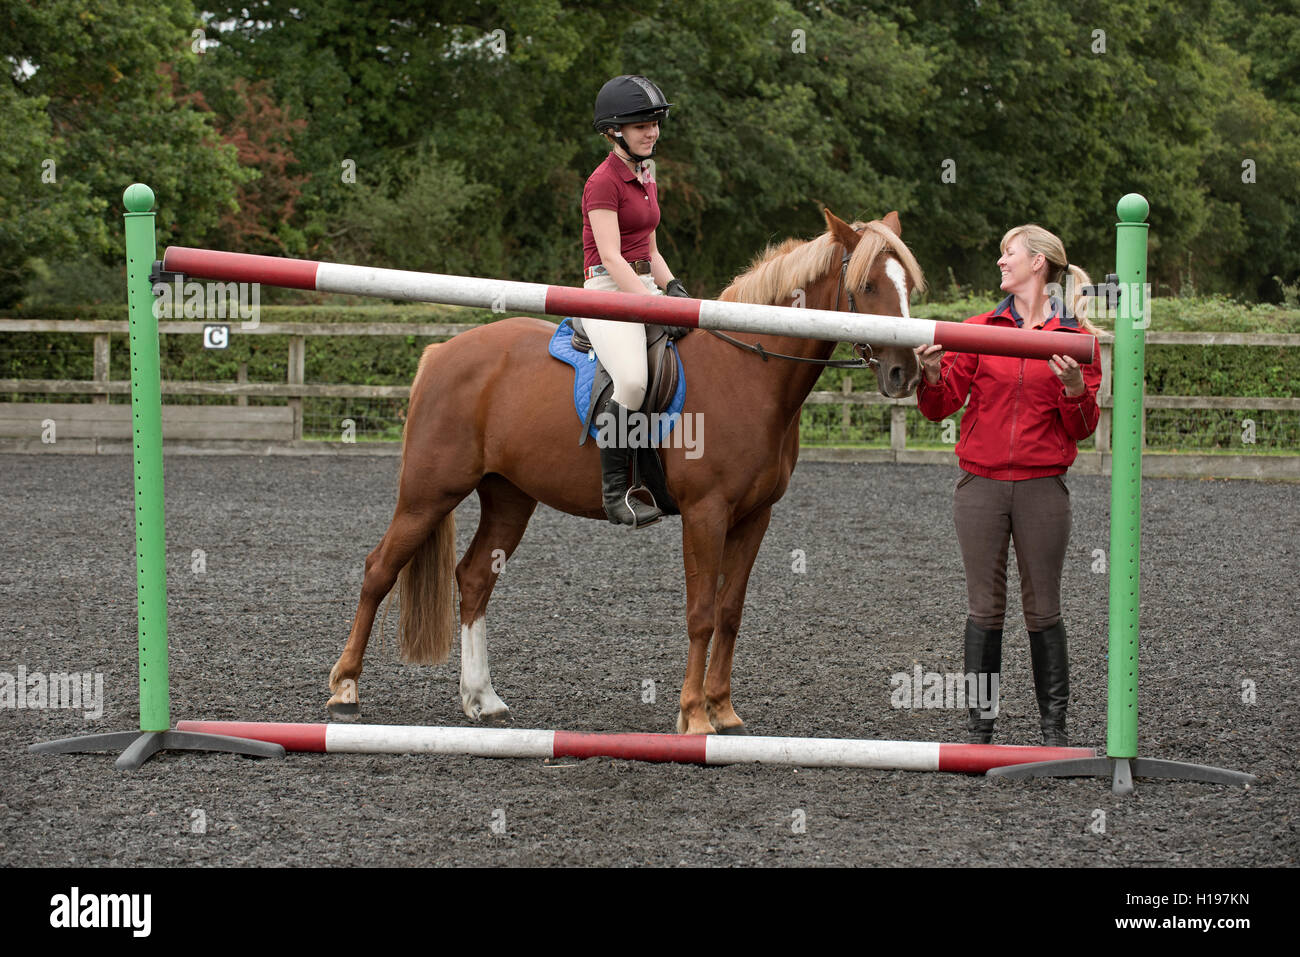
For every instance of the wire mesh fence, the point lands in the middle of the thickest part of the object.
(353, 420)
(391, 360)
(1241, 431)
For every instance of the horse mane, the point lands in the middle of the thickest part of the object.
(778, 271)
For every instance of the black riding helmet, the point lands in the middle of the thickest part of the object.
(628, 99)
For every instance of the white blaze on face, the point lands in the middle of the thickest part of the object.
(894, 270)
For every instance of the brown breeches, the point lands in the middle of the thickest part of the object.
(1035, 514)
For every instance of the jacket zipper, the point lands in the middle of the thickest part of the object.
(1015, 414)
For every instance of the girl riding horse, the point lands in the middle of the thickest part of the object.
(620, 211)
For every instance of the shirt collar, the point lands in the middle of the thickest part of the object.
(620, 167)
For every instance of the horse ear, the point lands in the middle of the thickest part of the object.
(891, 220)
(841, 230)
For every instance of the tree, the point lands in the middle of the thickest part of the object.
(88, 78)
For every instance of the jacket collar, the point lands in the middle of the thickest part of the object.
(1007, 308)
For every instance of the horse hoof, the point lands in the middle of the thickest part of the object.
(735, 729)
(344, 711)
(345, 705)
(492, 713)
(684, 728)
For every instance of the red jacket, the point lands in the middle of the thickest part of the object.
(1019, 423)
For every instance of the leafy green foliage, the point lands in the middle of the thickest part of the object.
(457, 137)
(91, 106)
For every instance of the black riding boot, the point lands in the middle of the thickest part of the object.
(1051, 682)
(621, 507)
(984, 660)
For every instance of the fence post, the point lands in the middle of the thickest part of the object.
(297, 366)
(898, 428)
(846, 418)
(101, 366)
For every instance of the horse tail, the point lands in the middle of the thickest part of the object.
(427, 584)
(427, 596)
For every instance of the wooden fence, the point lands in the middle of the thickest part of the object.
(101, 427)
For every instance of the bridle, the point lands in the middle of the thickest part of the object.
(865, 355)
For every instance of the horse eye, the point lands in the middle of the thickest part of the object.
(869, 288)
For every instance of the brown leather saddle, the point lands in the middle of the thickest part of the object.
(662, 375)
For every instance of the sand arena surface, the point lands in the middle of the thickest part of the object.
(576, 640)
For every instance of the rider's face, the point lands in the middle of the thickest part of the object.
(640, 137)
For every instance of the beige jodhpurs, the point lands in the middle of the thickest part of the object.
(620, 346)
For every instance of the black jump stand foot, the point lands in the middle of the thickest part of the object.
(139, 746)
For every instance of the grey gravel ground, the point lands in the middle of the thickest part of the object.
(574, 637)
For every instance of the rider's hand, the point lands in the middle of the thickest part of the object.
(675, 288)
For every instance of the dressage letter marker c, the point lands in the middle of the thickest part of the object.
(216, 337)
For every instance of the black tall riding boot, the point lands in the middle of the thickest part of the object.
(621, 506)
(1051, 682)
(984, 660)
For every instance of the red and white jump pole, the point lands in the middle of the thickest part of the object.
(679, 748)
(504, 296)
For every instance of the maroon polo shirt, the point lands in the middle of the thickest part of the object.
(614, 186)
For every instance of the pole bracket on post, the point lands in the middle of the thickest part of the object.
(160, 276)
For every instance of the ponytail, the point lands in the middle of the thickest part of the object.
(1075, 282)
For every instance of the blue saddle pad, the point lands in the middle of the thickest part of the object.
(584, 373)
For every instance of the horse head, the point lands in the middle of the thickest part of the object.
(877, 275)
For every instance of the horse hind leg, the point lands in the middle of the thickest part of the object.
(426, 535)
(504, 515)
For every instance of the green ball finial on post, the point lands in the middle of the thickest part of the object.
(1133, 208)
(138, 198)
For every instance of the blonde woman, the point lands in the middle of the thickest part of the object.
(1019, 435)
(620, 212)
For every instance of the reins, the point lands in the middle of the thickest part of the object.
(861, 362)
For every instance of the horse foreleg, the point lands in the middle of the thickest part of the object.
(503, 516)
(738, 557)
(407, 532)
(703, 537)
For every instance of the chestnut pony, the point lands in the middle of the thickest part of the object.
(491, 411)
